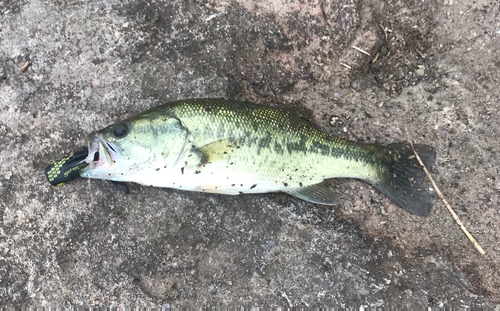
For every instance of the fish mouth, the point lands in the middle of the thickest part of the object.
(102, 153)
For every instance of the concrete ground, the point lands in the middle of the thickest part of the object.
(432, 64)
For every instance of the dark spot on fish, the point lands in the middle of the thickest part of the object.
(182, 170)
(240, 192)
(197, 172)
(285, 184)
(114, 161)
(237, 147)
(253, 186)
(165, 166)
(278, 148)
(231, 163)
(241, 185)
(232, 185)
(109, 174)
(225, 152)
(193, 146)
(208, 109)
(157, 169)
(300, 184)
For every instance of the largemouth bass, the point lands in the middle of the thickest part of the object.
(230, 147)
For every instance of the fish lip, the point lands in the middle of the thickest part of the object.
(93, 147)
(107, 152)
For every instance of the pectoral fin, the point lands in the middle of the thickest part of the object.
(121, 186)
(318, 193)
(216, 151)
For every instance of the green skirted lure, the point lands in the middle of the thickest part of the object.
(66, 169)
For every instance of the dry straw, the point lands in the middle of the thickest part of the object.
(455, 216)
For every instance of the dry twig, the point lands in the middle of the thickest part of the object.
(25, 66)
(361, 50)
(455, 216)
(385, 31)
(420, 53)
(346, 66)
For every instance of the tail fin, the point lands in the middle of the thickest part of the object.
(404, 180)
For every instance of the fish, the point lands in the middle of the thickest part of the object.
(233, 148)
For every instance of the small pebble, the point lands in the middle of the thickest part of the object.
(420, 71)
(336, 121)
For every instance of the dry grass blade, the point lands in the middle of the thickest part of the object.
(455, 216)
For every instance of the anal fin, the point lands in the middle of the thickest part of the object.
(318, 193)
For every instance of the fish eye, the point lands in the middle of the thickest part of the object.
(120, 130)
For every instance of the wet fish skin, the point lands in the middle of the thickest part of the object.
(231, 147)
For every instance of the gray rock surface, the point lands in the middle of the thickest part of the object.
(433, 65)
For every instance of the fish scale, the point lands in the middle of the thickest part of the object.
(276, 133)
